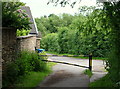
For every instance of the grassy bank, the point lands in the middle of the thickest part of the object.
(32, 79)
(95, 58)
(103, 82)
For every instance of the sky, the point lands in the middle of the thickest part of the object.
(40, 8)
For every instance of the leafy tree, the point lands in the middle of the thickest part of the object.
(63, 39)
(84, 34)
(50, 42)
(41, 27)
(113, 13)
(54, 21)
(51, 23)
(13, 16)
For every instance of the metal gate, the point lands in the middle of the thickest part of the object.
(90, 60)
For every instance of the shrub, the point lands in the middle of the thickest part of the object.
(10, 74)
(37, 63)
(25, 63)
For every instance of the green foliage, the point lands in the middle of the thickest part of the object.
(22, 32)
(25, 63)
(88, 72)
(103, 82)
(63, 39)
(51, 23)
(50, 42)
(33, 78)
(112, 11)
(82, 35)
(13, 16)
(30, 80)
(10, 74)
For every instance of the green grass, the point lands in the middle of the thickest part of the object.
(95, 58)
(102, 82)
(88, 72)
(33, 78)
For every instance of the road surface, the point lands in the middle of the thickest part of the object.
(72, 76)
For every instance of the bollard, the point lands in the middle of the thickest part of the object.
(90, 62)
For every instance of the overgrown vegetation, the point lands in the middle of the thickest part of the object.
(25, 63)
(113, 12)
(33, 78)
(104, 82)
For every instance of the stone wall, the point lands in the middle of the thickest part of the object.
(38, 43)
(11, 44)
(0, 58)
(26, 43)
(0, 45)
(8, 44)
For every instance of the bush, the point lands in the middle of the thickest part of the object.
(25, 63)
(10, 73)
(37, 63)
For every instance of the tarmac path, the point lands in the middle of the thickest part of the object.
(72, 76)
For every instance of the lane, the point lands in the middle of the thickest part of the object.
(72, 76)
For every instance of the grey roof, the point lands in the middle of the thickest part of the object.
(33, 29)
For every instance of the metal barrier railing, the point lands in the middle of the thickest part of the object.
(90, 60)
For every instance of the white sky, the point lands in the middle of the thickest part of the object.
(40, 8)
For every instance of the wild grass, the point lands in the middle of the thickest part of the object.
(33, 79)
(103, 82)
(88, 72)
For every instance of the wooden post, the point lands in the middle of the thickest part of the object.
(90, 62)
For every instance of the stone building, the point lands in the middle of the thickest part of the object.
(32, 40)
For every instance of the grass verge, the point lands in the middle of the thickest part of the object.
(33, 78)
(95, 58)
(88, 72)
(102, 82)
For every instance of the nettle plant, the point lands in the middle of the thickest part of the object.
(13, 16)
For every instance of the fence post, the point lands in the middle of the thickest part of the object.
(90, 61)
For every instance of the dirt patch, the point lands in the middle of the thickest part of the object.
(56, 77)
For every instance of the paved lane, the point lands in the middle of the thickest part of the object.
(72, 76)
